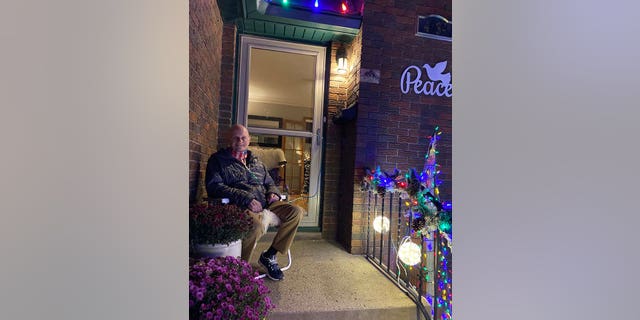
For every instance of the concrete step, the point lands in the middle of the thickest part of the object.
(326, 282)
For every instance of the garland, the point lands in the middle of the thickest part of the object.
(419, 190)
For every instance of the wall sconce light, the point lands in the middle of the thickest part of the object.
(341, 56)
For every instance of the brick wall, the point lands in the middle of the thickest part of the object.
(205, 56)
(338, 164)
(228, 81)
(392, 127)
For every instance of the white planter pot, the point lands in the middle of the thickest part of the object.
(220, 250)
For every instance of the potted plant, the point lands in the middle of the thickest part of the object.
(217, 229)
(226, 288)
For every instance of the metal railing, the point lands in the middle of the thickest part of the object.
(423, 282)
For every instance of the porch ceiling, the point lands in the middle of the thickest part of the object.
(264, 18)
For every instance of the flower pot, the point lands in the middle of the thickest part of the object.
(220, 250)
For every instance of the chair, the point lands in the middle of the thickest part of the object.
(274, 160)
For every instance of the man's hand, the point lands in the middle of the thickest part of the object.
(273, 198)
(255, 206)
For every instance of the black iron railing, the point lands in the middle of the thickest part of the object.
(428, 282)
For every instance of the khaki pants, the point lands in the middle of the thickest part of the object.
(290, 216)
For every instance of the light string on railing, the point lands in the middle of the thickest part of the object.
(420, 193)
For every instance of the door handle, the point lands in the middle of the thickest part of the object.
(318, 137)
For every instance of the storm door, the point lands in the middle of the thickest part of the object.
(280, 100)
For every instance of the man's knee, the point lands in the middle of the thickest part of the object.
(289, 212)
(297, 213)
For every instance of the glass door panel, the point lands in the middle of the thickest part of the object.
(281, 85)
(293, 175)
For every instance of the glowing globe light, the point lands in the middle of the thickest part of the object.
(409, 253)
(381, 224)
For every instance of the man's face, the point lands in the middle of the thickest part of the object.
(240, 140)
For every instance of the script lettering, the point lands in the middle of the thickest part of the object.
(436, 84)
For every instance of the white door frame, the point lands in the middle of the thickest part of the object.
(246, 44)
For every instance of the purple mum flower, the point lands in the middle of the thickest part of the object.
(225, 287)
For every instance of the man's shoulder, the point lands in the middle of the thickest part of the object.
(221, 157)
(221, 153)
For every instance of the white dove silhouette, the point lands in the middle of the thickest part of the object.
(436, 74)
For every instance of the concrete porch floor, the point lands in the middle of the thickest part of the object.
(326, 282)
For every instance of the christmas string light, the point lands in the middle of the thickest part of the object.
(420, 193)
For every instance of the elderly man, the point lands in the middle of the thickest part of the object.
(234, 173)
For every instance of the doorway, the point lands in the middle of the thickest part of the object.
(280, 100)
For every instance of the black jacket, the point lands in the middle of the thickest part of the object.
(228, 177)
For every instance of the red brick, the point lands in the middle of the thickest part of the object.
(401, 123)
(205, 56)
